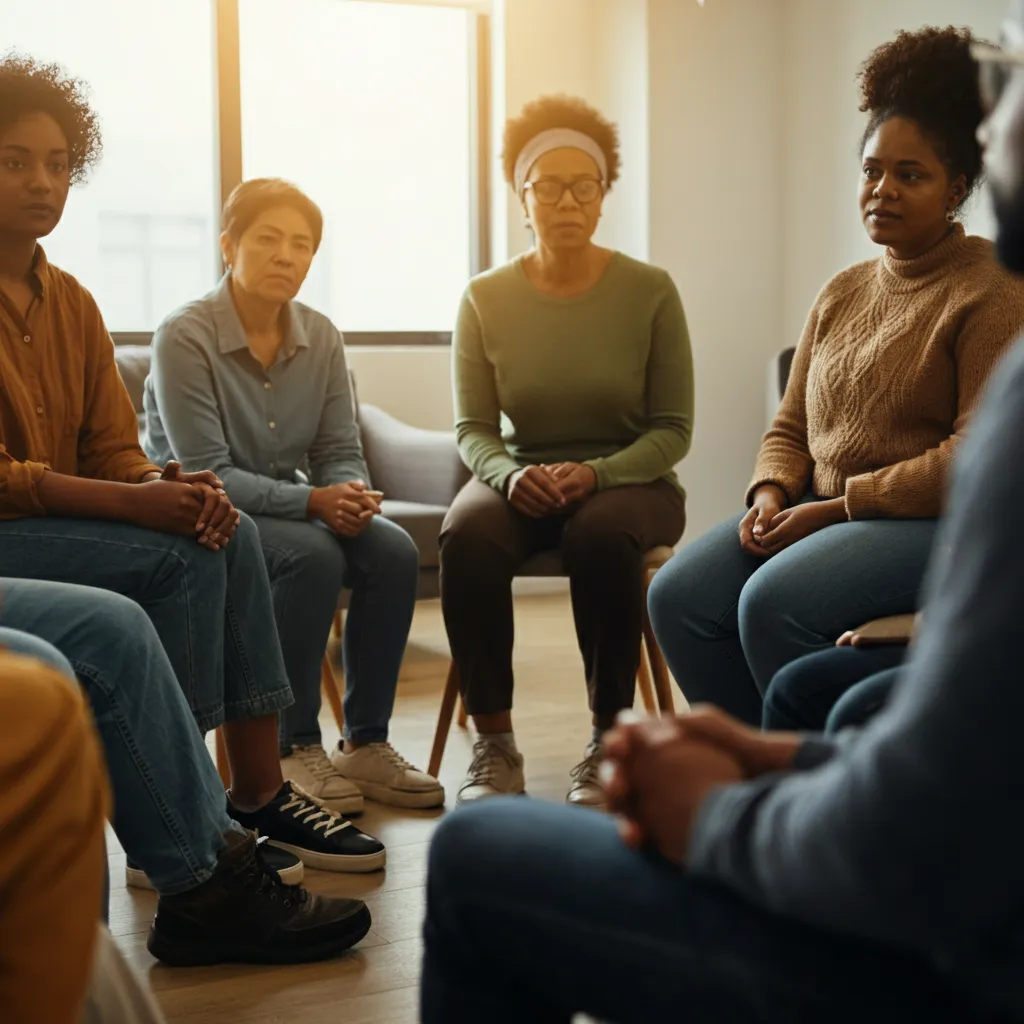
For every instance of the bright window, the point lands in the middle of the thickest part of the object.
(367, 107)
(141, 233)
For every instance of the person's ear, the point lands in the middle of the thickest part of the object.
(228, 249)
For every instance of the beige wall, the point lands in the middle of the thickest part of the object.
(716, 221)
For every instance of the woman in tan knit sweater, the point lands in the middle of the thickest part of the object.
(849, 480)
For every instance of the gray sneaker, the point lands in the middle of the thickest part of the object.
(495, 770)
(586, 789)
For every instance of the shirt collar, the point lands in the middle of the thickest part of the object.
(231, 335)
(40, 268)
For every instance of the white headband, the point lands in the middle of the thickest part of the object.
(556, 138)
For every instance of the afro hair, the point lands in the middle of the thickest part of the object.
(28, 86)
(560, 112)
(929, 77)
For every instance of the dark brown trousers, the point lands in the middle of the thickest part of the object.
(484, 541)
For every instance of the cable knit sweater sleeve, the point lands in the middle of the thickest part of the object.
(914, 488)
(784, 458)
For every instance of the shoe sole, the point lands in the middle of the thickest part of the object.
(341, 862)
(206, 952)
(351, 806)
(412, 799)
(136, 878)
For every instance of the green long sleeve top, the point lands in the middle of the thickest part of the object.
(604, 378)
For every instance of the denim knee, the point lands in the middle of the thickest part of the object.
(672, 603)
(396, 555)
(29, 646)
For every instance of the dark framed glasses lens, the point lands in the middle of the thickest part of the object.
(586, 190)
(547, 190)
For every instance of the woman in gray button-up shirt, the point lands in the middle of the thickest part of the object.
(253, 385)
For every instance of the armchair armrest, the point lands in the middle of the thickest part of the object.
(409, 463)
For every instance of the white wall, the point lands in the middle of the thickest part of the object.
(825, 42)
(716, 127)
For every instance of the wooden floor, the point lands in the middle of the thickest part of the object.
(377, 981)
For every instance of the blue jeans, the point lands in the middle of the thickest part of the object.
(536, 912)
(728, 621)
(806, 694)
(169, 808)
(212, 611)
(308, 567)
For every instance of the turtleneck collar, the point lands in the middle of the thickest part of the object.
(907, 275)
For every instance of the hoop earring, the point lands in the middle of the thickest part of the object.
(951, 216)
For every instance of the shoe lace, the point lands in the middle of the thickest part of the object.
(393, 757)
(487, 759)
(315, 761)
(256, 875)
(587, 772)
(312, 812)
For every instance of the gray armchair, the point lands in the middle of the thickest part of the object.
(419, 471)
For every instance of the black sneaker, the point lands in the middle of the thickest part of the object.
(245, 915)
(285, 865)
(319, 837)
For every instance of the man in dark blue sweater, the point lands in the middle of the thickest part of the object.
(877, 877)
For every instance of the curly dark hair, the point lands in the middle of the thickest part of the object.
(929, 77)
(560, 111)
(28, 86)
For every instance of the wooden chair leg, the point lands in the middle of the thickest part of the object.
(223, 768)
(444, 720)
(329, 688)
(463, 718)
(337, 624)
(643, 679)
(659, 669)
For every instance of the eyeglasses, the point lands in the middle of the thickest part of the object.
(995, 69)
(549, 191)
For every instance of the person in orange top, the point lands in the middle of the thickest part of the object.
(849, 481)
(81, 503)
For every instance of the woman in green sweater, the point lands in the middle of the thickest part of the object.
(574, 403)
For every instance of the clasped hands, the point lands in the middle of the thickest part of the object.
(659, 771)
(345, 509)
(541, 491)
(187, 504)
(770, 527)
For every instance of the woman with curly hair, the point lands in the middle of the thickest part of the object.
(574, 403)
(849, 480)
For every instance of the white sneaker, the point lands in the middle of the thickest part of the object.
(495, 770)
(382, 774)
(310, 769)
(586, 789)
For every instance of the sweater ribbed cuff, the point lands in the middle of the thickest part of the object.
(860, 497)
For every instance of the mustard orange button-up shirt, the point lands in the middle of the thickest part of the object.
(63, 405)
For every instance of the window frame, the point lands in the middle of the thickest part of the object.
(227, 97)
(229, 123)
